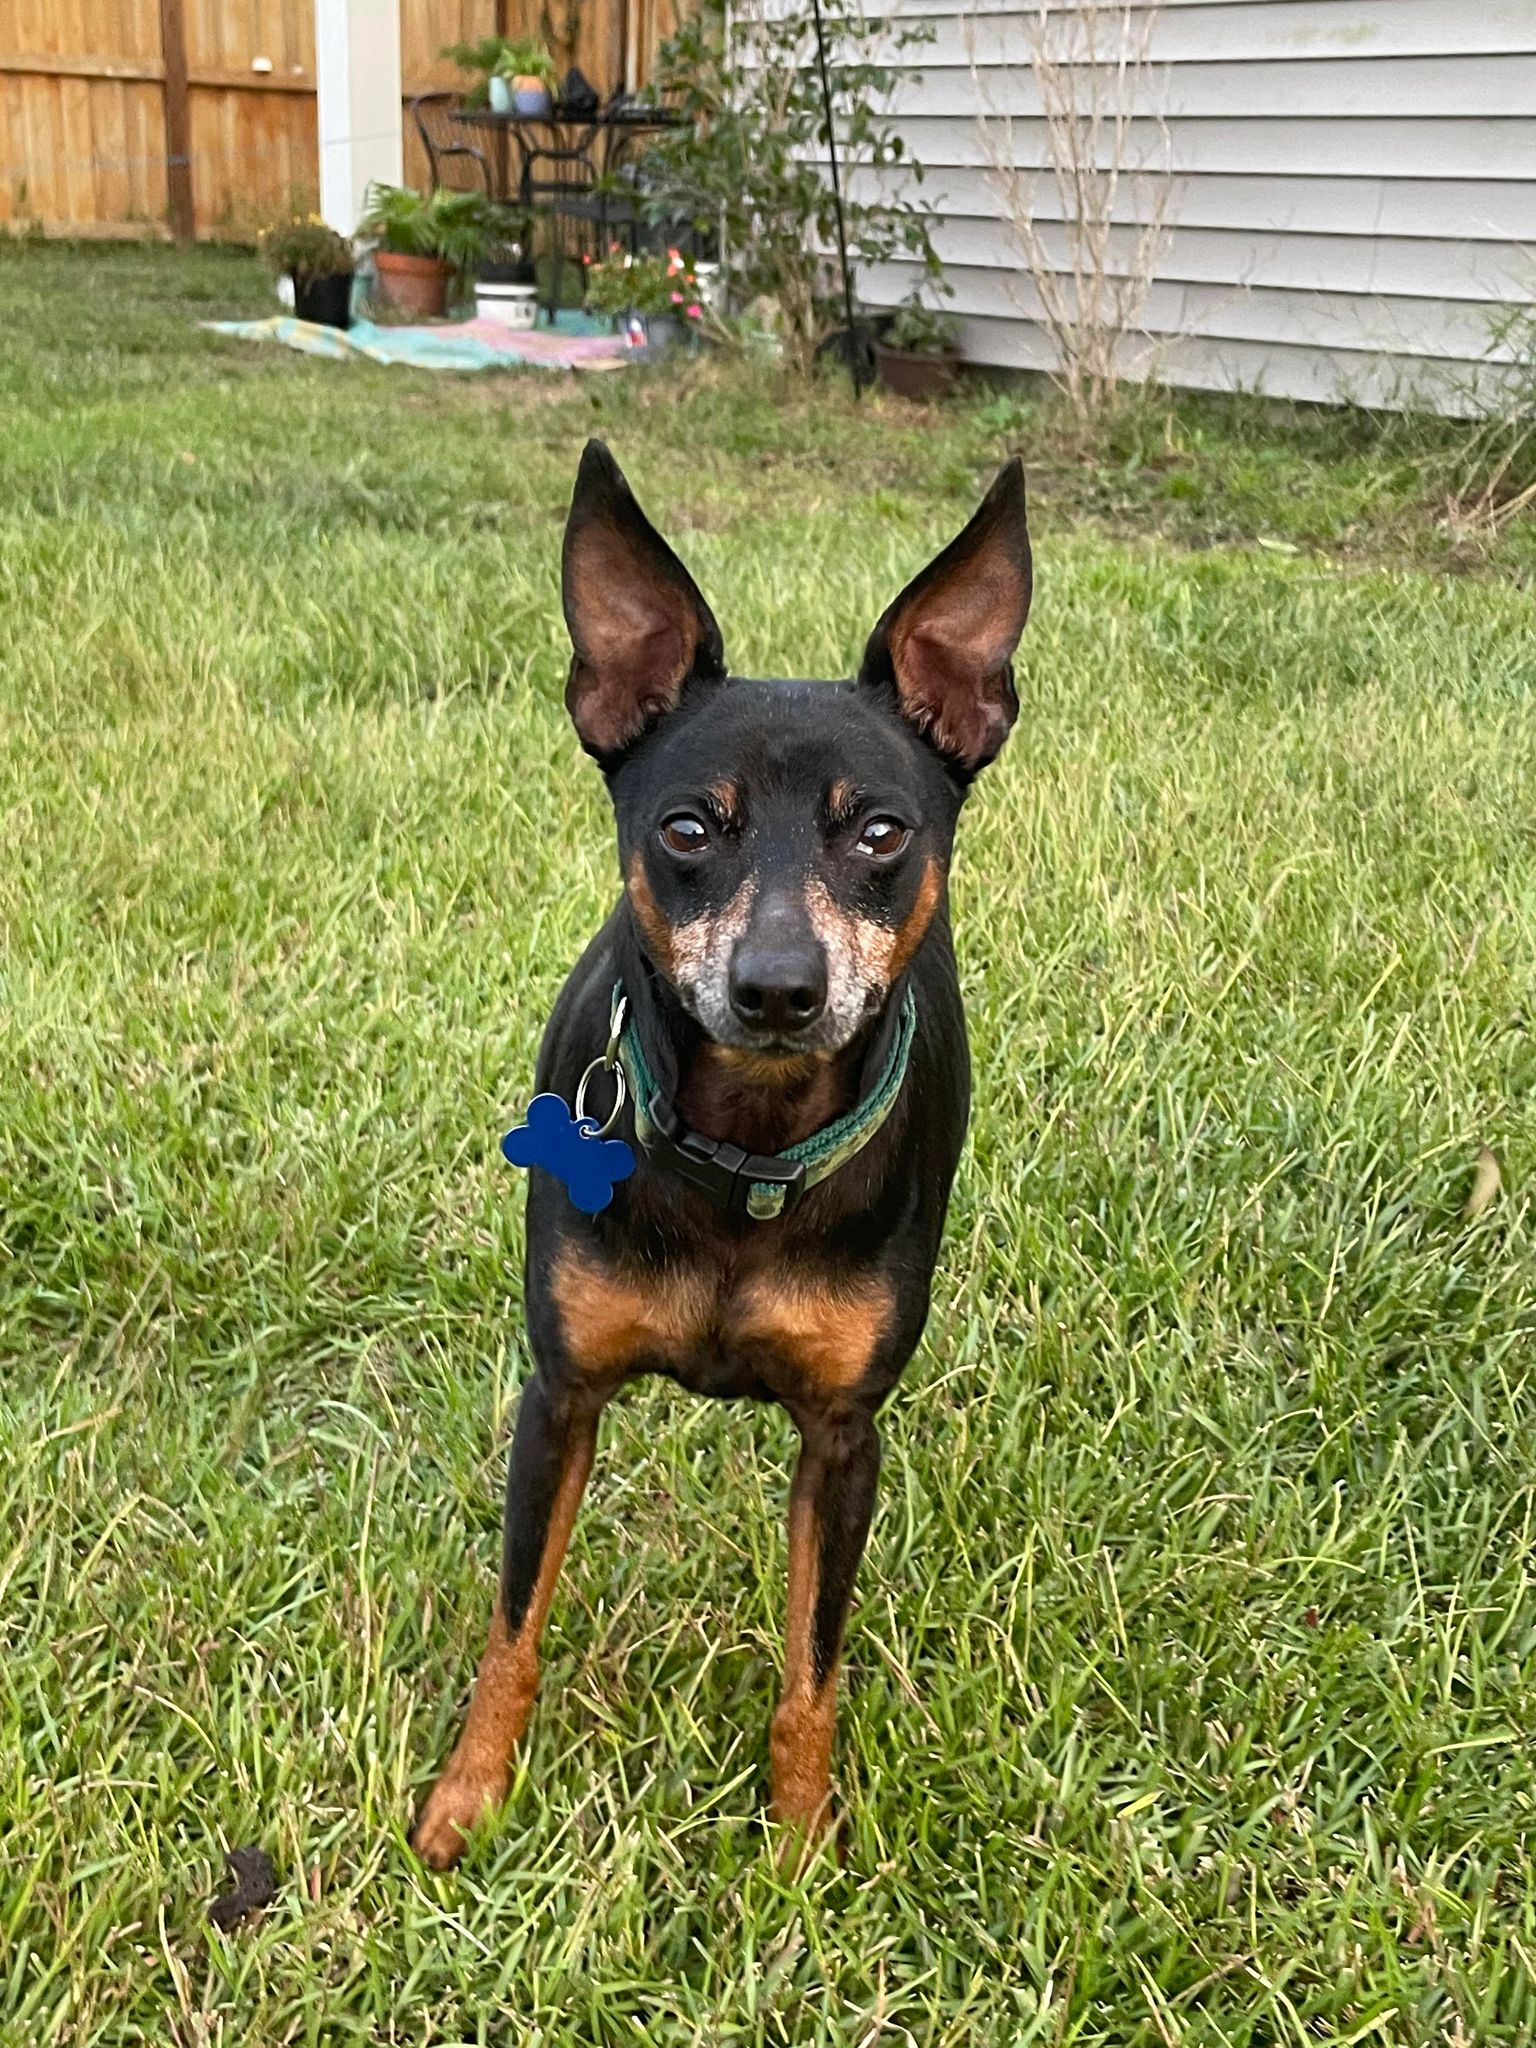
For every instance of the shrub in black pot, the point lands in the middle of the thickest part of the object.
(320, 263)
(325, 300)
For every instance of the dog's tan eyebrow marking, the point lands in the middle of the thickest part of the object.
(841, 800)
(725, 800)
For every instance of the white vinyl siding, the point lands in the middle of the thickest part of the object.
(1352, 188)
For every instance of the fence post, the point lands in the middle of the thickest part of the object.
(357, 102)
(178, 121)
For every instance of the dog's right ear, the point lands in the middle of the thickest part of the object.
(640, 631)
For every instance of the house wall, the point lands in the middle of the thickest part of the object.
(1351, 187)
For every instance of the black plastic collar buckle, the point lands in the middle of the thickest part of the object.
(718, 1168)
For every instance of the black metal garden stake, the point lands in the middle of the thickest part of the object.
(855, 361)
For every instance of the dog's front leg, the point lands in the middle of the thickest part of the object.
(830, 1505)
(552, 1449)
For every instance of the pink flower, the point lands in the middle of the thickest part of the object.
(695, 312)
(677, 298)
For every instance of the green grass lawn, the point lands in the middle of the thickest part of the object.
(1192, 1684)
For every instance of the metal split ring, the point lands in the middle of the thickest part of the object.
(607, 1062)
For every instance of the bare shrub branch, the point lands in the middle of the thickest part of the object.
(1087, 64)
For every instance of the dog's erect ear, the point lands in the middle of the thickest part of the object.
(945, 646)
(639, 628)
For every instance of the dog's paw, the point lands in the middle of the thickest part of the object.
(455, 1804)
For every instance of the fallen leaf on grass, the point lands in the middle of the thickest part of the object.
(1485, 1184)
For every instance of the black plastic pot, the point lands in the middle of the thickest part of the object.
(325, 300)
(518, 271)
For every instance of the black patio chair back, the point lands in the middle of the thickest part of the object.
(561, 183)
(455, 163)
(559, 174)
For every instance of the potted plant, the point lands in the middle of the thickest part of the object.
(514, 77)
(422, 240)
(660, 293)
(917, 354)
(525, 73)
(320, 264)
(482, 58)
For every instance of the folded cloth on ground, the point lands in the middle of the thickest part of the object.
(463, 345)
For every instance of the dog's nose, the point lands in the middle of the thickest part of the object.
(781, 989)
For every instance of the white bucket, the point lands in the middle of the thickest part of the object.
(509, 305)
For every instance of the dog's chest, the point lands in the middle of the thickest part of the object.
(742, 1325)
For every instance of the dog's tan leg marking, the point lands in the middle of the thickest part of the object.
(479, 1771)
(800, 1743)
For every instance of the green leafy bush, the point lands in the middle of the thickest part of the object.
(652, 285)
(745, 161)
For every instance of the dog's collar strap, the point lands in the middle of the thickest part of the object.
(762, 1185)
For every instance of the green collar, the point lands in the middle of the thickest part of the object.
(758, 1184)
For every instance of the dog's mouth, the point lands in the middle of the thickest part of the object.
(829, 1033)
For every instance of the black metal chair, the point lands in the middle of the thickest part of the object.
(449, 155)
(561, 182)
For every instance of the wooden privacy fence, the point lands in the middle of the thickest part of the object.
(125, 117)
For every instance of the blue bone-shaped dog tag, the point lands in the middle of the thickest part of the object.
(589, 1167)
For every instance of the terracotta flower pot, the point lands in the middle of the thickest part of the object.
(914, 376)
(412, 284)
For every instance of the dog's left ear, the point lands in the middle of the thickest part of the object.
(944, 649)
(640, 631)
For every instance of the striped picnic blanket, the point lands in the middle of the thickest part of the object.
(463, 345)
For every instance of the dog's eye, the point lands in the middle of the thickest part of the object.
(882, 838)
(684, 833)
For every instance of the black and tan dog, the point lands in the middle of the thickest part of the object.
(795, 1051)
